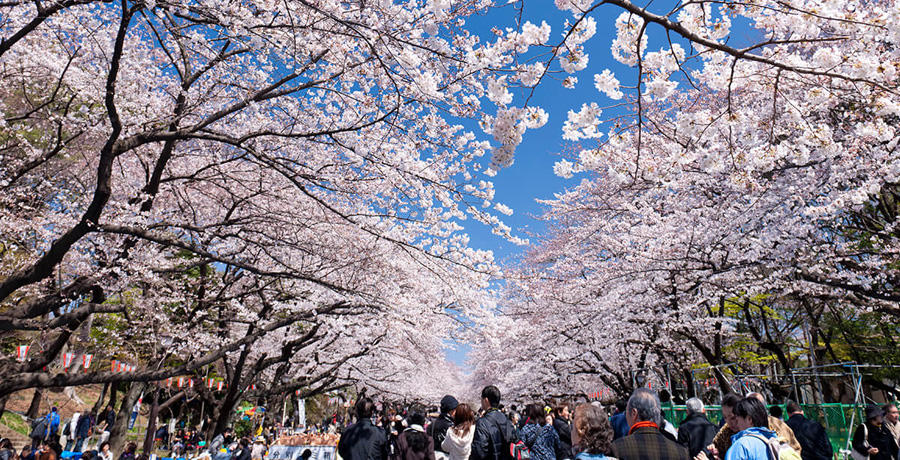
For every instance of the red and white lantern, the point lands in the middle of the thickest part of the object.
(22, 352)
(86, 361)
(180, 382)
(221, 385)
(68, 358)
(114, 365)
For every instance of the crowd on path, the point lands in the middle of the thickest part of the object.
(636, 430)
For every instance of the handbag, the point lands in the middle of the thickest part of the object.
(856, 455)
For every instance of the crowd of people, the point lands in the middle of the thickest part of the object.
(636, 430)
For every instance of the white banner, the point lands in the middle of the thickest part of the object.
(277, 452)
(301, 411)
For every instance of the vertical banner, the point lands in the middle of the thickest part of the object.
(169, 382)
(114, 365)
(22, 352)
(301, 411)
(68, 358)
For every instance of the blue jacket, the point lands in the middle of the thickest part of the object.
(53, 418)
(587, 456)
(85, 423)
(746, 447)
(619, 425)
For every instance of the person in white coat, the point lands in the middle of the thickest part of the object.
(458, 443)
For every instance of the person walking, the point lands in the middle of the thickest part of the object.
(696, 431)
(778, 425)
(258, 451)
(644, 441)
(458, 442)
(538, 434)
(438, 429)
(563, 426)
(363, 440)
(53, 424)
(83, 430)
(592, 433)
(38, 432)
(810, 434)
(892, 421)
(493, 431)
(414, 443)
(618, 422)
(872, 439)
(752, 424)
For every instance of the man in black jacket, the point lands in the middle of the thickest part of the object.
(810, 434)
(438, 429)
(493, 431)
(363, 440)
(563, 427)
(696, 431)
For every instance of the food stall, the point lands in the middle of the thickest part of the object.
(322, 446)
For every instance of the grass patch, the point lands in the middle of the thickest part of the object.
(15, 423)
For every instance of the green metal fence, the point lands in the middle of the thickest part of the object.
(835, 417)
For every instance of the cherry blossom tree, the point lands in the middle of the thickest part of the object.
(737, 171)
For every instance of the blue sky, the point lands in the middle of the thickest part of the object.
(531, 176)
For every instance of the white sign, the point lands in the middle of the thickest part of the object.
(301, 410)
(277, 452)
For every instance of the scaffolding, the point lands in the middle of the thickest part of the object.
(839, 419)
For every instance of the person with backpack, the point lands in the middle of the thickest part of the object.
(871, 440)
(39, 428)
(53, 424)
(458, 442)
(754, 440)
(538, 434)
(494, 434)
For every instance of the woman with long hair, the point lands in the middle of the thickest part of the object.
(458, 443)
(413, 443)
(592, 433)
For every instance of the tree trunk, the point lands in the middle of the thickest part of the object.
(151, 424)
(120, 428)
(35, 408)
(3, 404)
(98, 406)
(222, 415)
(113, 392)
